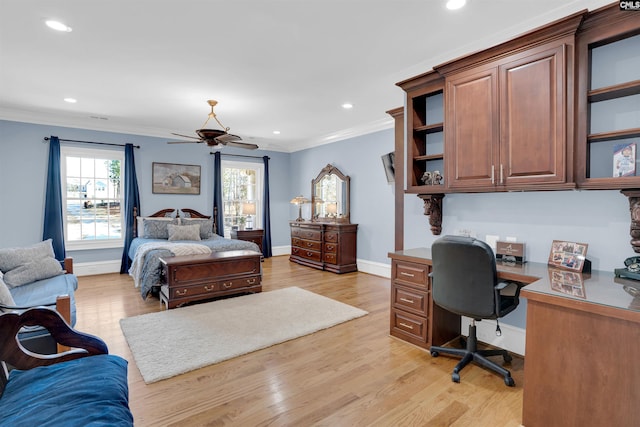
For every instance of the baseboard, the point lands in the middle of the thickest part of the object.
(512, 339)
(98, 267)
(375, 268)
(280, 250)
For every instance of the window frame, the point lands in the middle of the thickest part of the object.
(85, 152)
(259, 168)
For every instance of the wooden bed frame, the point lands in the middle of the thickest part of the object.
(192, 278)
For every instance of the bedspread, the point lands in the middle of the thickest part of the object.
(151, 267)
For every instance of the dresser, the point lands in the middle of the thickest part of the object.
(414, 316)
(325, 246)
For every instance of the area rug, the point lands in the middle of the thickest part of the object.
(172, 342)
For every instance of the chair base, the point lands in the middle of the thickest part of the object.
(471, 353)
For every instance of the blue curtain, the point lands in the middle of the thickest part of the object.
(266, 212)
(217, 193)
(53, 224)
(131, 201)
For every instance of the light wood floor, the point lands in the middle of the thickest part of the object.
(353, 374)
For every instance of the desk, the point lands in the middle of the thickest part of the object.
(582, 362)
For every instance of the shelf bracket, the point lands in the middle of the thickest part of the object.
(634, 207)
(433, 209)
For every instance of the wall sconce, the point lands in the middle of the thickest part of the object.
(299, 200)
(248, 209)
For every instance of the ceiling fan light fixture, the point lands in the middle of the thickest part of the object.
(455, 4)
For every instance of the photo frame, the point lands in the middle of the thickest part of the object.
(567, 282)
(172, 178)
(568, 255)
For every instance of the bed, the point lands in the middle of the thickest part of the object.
(173, 232)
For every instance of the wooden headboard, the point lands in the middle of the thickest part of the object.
(163, 212)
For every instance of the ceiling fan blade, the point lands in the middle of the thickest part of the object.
(185, 136)
(226, 138)
(246, 145)
(184, 142)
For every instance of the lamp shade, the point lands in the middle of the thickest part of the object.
(249, 208)
(332, 207)
(299, 200)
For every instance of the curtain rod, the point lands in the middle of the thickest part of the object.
(243, 155)
(46, 138)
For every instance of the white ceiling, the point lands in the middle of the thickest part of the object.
(148, 66)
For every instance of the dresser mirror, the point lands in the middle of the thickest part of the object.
(330, 196)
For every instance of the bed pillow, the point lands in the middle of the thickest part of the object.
(140, 222)
(32, 271)
(11, 258)
(184, 232)
(206, 226)
(156, 228)
(5, 296)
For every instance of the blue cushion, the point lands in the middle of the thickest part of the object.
(82, 392)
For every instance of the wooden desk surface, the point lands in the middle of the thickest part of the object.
(599, 291)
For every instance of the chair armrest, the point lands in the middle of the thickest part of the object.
(14, 354)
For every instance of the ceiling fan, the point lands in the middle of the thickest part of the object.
(215, 137)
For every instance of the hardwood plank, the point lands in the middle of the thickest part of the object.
(353, 374)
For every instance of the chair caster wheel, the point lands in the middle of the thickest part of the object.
(507, 358)
(455, 377)
(509, 382)
(434, 353)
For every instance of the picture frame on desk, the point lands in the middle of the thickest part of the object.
(569, 255)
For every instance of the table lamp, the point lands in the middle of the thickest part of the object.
(248, 209)
(299, 200)
(332, 209)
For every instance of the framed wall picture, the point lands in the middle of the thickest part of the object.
(171, 178)
(568, 255)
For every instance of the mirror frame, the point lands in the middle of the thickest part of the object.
(331, 170)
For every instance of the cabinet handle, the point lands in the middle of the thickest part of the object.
(251, 281)
(227, 285)
(181, 293)
(402, 273)
(501, 174)
(309, 253)
(309, 244)
(330, 247)
(406, 326)
(410, 301)
(493, 172)
(209, 288)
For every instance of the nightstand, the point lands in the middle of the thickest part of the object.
(254, 236)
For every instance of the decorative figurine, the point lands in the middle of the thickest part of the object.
(427, 178)
(436, 178)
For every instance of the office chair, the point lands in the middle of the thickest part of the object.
(465, 282)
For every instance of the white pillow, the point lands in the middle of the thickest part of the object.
(184, 232)
(5, 295)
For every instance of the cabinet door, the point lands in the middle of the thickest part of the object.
(532, 119)
(471, 129)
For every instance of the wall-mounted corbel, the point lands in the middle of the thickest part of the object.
(634, 207)
(433, 209)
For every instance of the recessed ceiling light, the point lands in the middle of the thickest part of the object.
(58, 26)
(347, 106)
(70, 100)
(455, 4)
(276, 132)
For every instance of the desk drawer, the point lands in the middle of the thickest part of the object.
(411, 300)
(412, 274)
(409, 327)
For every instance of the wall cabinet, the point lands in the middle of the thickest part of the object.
(608, 99)
(505, 121)
(325, 246)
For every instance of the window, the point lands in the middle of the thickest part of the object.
(92, 197)
(241, 186)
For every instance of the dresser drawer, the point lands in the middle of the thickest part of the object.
(331, 236)
(306, 253)
(306, 244)
(330, 258)
(331, 248)
(409, 327)
(304, 233)
(411, 300)
(412, 274)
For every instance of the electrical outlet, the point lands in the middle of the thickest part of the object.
(492, 241)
